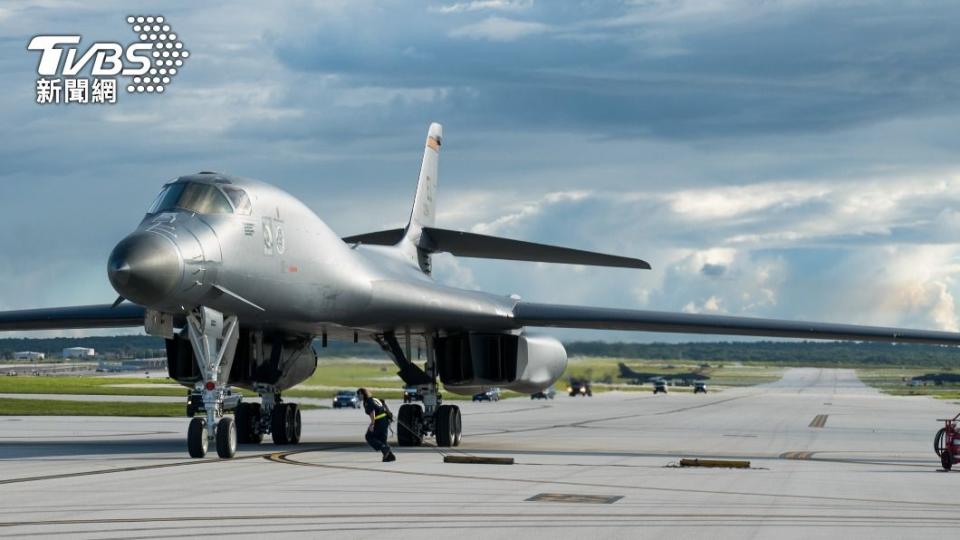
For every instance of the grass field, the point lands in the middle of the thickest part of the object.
(56, 407)
(605, 372)
(53, 407)
(894, 381)
(73, 384)
(348, 374)
(343, 374)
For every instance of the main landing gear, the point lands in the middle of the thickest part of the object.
(414, 422)
(213, 339)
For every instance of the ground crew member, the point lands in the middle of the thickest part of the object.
(379, 424)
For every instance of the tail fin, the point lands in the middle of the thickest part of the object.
(424, 204)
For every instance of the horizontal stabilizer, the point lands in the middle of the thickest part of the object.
(380, 238)
(481, 246)
(464, 244)
(560, 316)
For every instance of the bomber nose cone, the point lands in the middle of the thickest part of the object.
(144, 267)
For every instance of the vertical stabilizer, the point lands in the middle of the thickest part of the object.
(424, 204)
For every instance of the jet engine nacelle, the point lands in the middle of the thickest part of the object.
(468, 363)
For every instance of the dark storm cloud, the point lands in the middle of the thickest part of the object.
(615, 71)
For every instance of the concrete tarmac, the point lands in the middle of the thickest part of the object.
(830, 458)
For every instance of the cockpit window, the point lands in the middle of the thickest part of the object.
(240, 200)
(167, 200)
(199, 198)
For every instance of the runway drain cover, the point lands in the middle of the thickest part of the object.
(572, 498)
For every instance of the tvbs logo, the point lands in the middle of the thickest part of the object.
(149, 64)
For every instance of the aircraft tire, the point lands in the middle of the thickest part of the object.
(296, 422)
(197, 437)
(409, 420)
(444, 426)
(226, 437)
(247, 417)
(280, 425)
(457, 425)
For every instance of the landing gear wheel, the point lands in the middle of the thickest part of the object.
(226, 437)
(457, 426)
(445, 426)
(279, 425)
(296, 424)
(409, 420)
(197, 437)
(247, 417)
(285, 423)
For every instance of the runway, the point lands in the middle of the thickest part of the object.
(829, 457)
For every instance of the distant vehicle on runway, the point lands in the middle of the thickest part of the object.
(659, 387)
(699, 387)
(548, 393)
(579, 387)
(411, 393)
(346, 398)
(11, 373)
(492, 394)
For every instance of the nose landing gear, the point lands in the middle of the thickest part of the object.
(213, 339)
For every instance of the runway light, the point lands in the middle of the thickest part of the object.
(210, 385)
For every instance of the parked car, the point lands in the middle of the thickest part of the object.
(346, 398)
(699, 387)
(547, 393)
(411, 393)
(492, 394)
(579, 387)
(659, 387)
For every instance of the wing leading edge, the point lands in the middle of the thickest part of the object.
(75, 317)
(563, 316)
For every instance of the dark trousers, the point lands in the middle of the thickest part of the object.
(377, 438)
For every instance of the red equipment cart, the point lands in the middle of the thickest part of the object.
(946, 443)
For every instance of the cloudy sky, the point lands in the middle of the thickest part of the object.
(792, 159)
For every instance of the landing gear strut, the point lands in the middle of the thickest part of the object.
(214, 341)
(433, 418)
